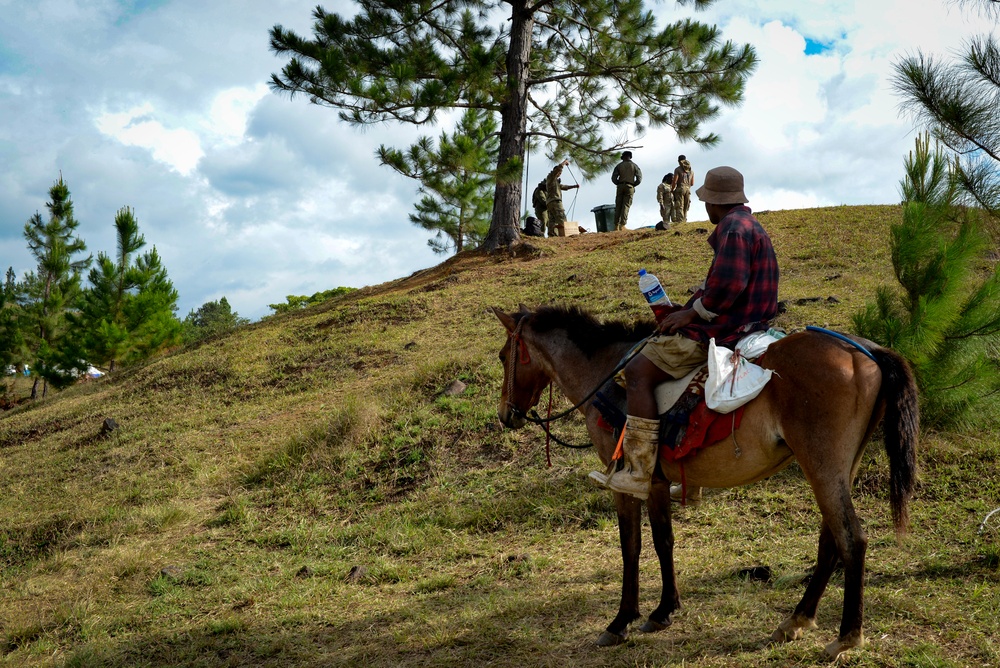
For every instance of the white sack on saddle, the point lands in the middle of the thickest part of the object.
(754, 345)
(732, 380)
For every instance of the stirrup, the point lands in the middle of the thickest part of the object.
(601, 479)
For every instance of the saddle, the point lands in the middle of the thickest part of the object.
(686, 423)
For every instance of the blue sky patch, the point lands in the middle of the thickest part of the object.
(10, 62)
(132, 8)
(814, 48)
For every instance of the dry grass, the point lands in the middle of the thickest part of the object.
(302, 493)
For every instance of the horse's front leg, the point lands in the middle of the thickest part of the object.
(660, 521)
(630, 536)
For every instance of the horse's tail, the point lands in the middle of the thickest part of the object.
(901, 426)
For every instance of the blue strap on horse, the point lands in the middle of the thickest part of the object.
(843, 338)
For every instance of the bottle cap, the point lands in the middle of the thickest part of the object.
(642, 272)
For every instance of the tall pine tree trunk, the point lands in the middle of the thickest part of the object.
(504, 230)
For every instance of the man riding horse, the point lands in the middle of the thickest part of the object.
(739, 296)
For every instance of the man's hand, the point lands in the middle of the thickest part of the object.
(676, 320)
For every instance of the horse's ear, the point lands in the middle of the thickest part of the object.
(505, 319)
(524, 309)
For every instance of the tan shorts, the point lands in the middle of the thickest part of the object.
(674, 354)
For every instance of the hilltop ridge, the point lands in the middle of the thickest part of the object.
(283, 494)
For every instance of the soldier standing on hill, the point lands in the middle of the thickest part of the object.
(626, 177)
(538, 203)
(683, 180)
(554, 204)
(666, 201)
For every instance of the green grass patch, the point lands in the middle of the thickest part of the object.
(331, 487)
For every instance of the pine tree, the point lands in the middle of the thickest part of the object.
(555, 72)
(959, 102)
(11, 340)
(52, 289)
(210, 319)
(298, 302)
(127, 314)
(456, 181)
(945, 314)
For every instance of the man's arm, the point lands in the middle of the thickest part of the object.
(638, 175)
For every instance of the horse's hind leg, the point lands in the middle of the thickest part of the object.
(659, 509)
(853, 544)
(804, 617)
(630, 536)
(841, 536)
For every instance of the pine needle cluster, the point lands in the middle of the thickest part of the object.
(944, 315)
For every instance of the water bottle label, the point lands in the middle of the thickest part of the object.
(655, 294)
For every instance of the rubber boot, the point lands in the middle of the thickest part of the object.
(677, 494)
(641, 446)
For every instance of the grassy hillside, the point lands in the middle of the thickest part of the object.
(305, 492)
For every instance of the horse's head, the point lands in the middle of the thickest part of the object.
(523, 377)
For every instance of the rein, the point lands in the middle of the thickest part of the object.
(518, 345)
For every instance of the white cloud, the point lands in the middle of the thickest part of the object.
(253, 196)
(229, 112)
(179, 148)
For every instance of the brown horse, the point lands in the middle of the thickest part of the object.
(820, 408)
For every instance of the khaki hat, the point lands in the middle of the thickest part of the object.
(723, 185)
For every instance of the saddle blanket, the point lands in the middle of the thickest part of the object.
(705, 427)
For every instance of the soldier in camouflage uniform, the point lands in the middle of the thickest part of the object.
(626, 177)
(554, 204)
(666, 201)
(683, 180)
(538, 200)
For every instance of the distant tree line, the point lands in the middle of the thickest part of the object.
(55, 325)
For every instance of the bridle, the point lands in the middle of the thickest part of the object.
(517, 344)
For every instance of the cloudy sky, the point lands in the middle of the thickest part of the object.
(163, 106)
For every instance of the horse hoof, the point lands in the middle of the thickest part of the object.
(652, 626)
(792, 628)
(841, 645)
(609, 639)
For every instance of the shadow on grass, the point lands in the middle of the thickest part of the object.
(443, 629)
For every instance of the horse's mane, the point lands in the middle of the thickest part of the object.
(584, 330)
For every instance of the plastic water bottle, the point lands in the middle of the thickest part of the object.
(657, 299)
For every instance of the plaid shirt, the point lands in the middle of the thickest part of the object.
(742, 283)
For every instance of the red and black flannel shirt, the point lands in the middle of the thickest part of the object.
(742, 283)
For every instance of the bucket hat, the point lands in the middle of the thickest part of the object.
(723, 185)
